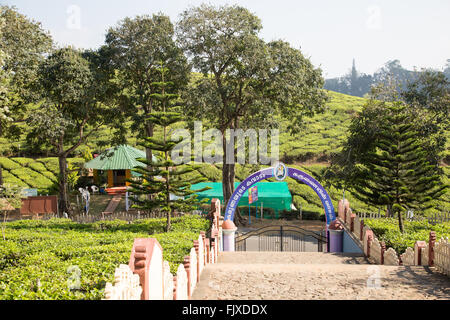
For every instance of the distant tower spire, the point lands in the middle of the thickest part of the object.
(354, 80)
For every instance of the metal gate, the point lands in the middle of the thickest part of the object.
(285, 238)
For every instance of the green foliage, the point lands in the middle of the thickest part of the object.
(35, 173)
(387, 230)
(8, 164)
(24, 43)
(73, 174)
(395, 171)
(51, 164)
(33, 179)
(165, 176)
(24, 162)
(45, 250)
(129, 43)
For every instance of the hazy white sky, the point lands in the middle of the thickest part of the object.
(330, 32)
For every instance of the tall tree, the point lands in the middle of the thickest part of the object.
(71, 111)
(163, 179)
(135, 47)
(397, 173)
(245, 80)
(25, 45)
(5, 117)
(429, 98)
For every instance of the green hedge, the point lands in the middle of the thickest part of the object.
(51, 164)
(34, 179)
(387, 230)
(45, 250)
(8, 164)
(24, 162)
(11, 179)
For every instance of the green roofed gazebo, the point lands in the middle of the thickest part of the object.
(118, 162)
(275, 195)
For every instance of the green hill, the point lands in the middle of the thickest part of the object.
(321, 136)
(41, 174)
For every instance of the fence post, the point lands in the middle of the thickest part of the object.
(361, 231)
(196, 247)
(431, 243)
(352, 222)
(281, 238)
(187, 267)
(382, 250)
(418, 246)
(143, 252)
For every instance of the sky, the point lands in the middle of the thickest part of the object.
(330, 32)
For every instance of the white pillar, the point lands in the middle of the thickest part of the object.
(229, 230)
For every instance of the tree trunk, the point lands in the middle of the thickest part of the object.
(149, 134)
(228, 175)
(64, 204)
(1, 175)
(400, 222)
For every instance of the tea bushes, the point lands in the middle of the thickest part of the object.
(39, 259)
(387, 230)
(9, 164)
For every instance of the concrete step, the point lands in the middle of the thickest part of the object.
(318, 281)
(249, 257)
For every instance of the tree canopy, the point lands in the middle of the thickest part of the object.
(245, 81)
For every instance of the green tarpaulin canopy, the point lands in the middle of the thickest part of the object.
(273, 195)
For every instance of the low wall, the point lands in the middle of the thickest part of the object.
(148, 277)
(39, 205)
(432, 253)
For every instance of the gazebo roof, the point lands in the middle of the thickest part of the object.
(122, 157)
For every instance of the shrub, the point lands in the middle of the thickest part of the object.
(8, 164)
(37, 166)
(387, 230)
(51, 164)
(13, 180)
(24, 162)
(45, 250)
(34, 179)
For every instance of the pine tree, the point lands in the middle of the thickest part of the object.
(163, 178)
(397, 173)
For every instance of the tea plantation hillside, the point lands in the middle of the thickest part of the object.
(306, 199)
(320, 136)
(41, 173)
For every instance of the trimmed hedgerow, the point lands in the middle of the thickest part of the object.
(9, 178)
(24, 162)
(44, 252)
(8, 164)
(51, 164)
(33, 178)
(387, 230)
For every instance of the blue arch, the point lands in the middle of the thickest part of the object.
(268, 173)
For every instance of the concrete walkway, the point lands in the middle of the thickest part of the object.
(112, 206)
(314, 275)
